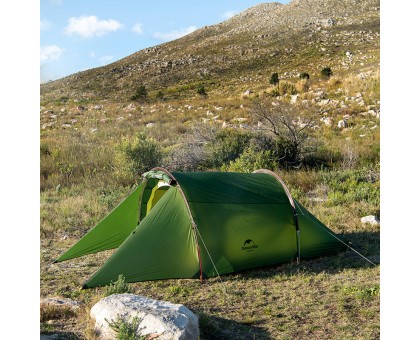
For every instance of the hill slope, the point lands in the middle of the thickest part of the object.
(302, 36)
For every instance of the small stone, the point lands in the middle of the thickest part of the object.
(371, 219)
(342, 124)
(61, 302)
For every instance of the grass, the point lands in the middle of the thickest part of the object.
(328, 297)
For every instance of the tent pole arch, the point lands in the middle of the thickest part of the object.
(292, 203)
(193, 224)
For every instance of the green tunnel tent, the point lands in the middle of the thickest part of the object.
(203, 224)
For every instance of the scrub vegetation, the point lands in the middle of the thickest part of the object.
(320, 132)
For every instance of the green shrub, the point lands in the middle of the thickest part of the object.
(274, 79)
(361, 185)
(304, 75)
(251, 160)
(126, 330)
(275, 93)
(201, 90)
(227, 146)
(160, 96)
(287, 88)
(326, 72)
(136, 156)
(117, 287)
(141, 94)
(362, 293)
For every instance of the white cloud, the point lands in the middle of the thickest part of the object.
(138, 28)
(45, 25)
(106, 59)
(91, 26)
(174, 34)
(229, 14)
(50, 53)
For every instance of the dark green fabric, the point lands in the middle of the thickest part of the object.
(111, 231)
(161, 247)
(242, 221)
(244, 236)
(245, 220)
(231, 187)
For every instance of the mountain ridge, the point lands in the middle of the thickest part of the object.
(264, 38)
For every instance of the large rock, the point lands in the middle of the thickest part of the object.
(162, 319)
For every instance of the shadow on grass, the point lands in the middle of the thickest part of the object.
(213, 327)
(366, 243)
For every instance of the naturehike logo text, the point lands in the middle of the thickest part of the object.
(249, 245)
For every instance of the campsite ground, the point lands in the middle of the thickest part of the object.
(331, 297)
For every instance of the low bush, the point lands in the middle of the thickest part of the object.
(326, 72)
(302, 85)
(287, 88)
(226, 147)
(117, 287)
(140, 94)
(251, 160)
(136, 156)
(304, 75)
(126, 330)
(201, 91)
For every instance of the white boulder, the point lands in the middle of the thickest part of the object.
(160, 319)
(373, 220)
(342, 124)
(326, 120)
(293, 99)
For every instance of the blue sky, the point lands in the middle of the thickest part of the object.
(76, 35)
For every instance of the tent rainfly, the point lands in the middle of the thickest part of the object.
(203, 224)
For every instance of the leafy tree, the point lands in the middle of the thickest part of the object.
(326, 72)
(274, 80)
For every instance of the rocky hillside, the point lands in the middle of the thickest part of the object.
(242, 52)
